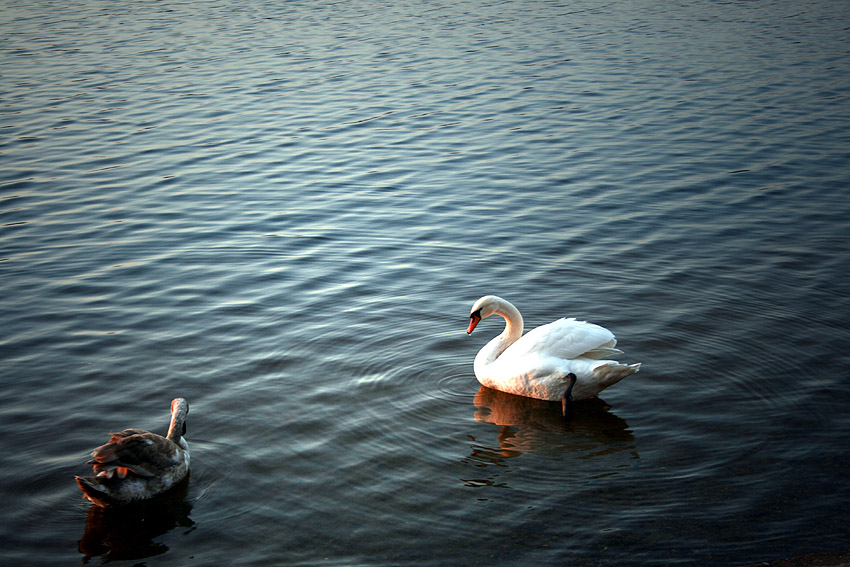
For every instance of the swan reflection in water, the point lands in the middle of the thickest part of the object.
(528, 425)
(128, 532)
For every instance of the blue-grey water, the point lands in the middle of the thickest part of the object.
(283, 212)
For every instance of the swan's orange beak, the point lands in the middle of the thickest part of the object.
(474, 319)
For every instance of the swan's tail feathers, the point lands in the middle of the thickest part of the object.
(602, 352)
(94, 490)
(613, 372)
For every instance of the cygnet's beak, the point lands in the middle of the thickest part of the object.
(473, 321)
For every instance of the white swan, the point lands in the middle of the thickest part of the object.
(537, 365)
(136, 464)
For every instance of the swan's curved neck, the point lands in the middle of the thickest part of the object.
(511, 333)
(513, 323)
(178, 418)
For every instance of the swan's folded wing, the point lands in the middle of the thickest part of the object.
(144, 453)
(566, 338)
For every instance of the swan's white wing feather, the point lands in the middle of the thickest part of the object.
(565, 338)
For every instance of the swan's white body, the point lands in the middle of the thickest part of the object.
(536, 365)
(136, 464)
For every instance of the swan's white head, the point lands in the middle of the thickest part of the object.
(483, 308)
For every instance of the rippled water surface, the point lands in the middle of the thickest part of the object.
(283, 212)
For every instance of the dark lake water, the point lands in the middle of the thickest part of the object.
(283, 212)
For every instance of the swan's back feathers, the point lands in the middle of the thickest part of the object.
(141, 452)
(603, 375)
(116, 437)
(566, 338)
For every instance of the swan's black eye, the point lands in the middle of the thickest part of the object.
(475, 314)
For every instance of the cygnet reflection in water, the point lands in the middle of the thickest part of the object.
(129, 532)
